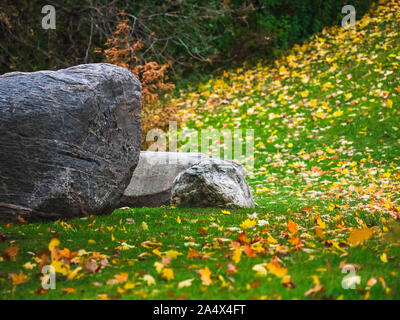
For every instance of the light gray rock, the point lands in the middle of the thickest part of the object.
(212, 183)
(69, 140)
(152, 180)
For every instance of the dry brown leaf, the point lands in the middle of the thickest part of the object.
(44, 259)
(92, 266)
(10, 253)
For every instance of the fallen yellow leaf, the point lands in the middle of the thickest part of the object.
(237, 253)
(168, 274)
(358, 236)
(248, 223)
(205, 276)
(275, 268)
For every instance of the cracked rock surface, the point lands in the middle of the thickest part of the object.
(212, 182)
(70, 140)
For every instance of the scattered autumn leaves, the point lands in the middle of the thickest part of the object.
(340, 199)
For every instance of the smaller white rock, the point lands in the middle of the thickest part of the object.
(152, 180)
(212, 182)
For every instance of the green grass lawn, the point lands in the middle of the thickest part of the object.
(326, 179)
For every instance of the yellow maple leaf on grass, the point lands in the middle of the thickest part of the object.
(205, 276)
(237, 255)
(358, 236)
(173, 254)
(29, 265)
(60, 267)
(167, 274)
(145, 227)
(338, 113)
(275, 268)
(320, 233)
(159, 266)
(248, 223)
(54, 242)
(304, 93)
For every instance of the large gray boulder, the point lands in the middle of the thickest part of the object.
(69, 141)
(152, 180)
(212, 183)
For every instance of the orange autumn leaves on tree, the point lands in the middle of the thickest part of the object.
(123, 50)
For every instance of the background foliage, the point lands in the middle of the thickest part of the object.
(192, 34)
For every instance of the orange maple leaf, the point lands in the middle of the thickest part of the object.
(249, 251)
(275, 268)
(193, 253)
(18, 278)
(205, 276)
(118, 278)
(292, 226)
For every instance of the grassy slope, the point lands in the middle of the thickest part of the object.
(326, 120)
